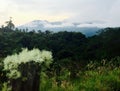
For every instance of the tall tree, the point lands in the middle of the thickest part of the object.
(10, 24)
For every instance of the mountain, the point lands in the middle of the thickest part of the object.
(87, 28)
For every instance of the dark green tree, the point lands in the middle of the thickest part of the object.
(10, 24)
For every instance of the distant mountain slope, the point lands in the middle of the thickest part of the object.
(86, 28)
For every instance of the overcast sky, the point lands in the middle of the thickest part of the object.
(106, 12)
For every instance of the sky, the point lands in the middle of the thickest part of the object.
(105, 13)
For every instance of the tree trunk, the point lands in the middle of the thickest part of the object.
(30, 78)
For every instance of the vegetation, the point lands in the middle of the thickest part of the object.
(11, 63)
(20, 69)
(103, 76)
(79, 63)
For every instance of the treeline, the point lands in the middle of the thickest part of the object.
(72, 45)
(72, 50)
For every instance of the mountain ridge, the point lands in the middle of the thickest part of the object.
(86, 28)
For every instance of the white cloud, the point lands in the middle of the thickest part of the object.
(59, 25)
(53, 10)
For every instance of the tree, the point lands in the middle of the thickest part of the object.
(10, 24)
(23, 69)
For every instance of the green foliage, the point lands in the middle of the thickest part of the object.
(101, 76)
(11, 63)
(101, 80)
(72, 51)
(64, 44)
(5, 87)
(10, 25)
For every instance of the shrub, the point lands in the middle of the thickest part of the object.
(11, 63)
(24, 69)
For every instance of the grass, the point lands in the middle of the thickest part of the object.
(98, 78)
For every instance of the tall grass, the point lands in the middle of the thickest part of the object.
(98, 76)
(103, 76)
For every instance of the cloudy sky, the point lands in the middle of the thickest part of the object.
(101, 12)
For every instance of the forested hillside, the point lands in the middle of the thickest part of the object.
(71, 50)
(63, 44)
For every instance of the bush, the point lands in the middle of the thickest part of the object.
(23, 69)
